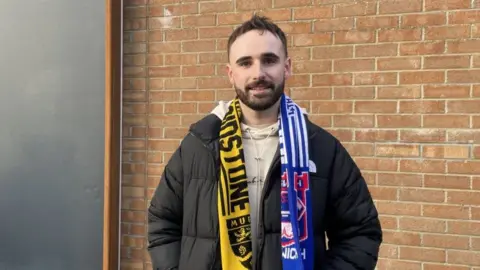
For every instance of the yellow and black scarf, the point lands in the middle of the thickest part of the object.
(233, 200)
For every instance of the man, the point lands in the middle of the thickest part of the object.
(256, 185)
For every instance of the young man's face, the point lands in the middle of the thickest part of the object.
(258, 69)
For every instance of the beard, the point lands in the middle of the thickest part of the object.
(265, 100)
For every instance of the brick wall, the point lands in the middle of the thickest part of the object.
(397, 81)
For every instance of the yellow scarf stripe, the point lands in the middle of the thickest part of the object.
(233, 201)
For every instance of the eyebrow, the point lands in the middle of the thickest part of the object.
(264, 55)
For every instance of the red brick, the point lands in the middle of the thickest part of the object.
(375, 135)
(332, 107)
(404, 6)
(398, 121)
(402, 238)
(446, 182)
(446, 121)
(216, 7)
(415, 20)
(446, 4)
(464, 167)
(399, 63)
(355, 9)
(333, 24)
(463, 257)
(310, 93)
(396, 264)
(163, 96)
(354, 37)
(305, 13)
(214, 32)
(447, 32)
(376, 50)
(398, 208)
(463, 106)
(198, 70)
(422, 195)
(463, 76)
(464, 16)
(446, 91)
(422, 166)
(375, 106)
(300, 40)
(392, 150)
(378, 78)
(296, 27)
(421, 106)
(366, 92)
(446, 62)
(198, 20)
(360, 121)
(464, 227)
(419, 224)
(288, 3)
(170, 47)
(198, 46)
(445, 211)
(345, 65)
(374, 22)
(331, 79)
(448, 152)
(334, 52)
(399, 179)
(180, 59)
(463, 46)
(383, 193)
(419, 48)
(277, 14)
(464, 136)
(253, 5)
(312, 67)
(399, 92)
(395, 35)
(422, 254)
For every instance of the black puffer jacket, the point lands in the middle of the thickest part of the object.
(183, 228)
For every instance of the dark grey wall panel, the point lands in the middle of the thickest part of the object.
(52, 82)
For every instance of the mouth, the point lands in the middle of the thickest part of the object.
(260, 88)
(259, 91)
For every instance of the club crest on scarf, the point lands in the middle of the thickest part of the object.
(301, 186)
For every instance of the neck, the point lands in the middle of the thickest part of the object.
(260, 118)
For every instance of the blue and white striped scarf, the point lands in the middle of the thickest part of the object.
(296, 210)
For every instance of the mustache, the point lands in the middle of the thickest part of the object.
(261, 83)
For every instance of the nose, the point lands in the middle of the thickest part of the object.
(258, 71)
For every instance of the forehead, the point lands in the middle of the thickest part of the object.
(255, 43)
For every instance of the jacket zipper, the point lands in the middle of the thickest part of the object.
(268, 183)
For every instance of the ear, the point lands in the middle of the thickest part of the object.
(288, 67)
(230, 73)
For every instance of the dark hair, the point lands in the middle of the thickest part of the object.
(262, 24)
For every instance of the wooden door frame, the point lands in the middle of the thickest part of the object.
(113, 112)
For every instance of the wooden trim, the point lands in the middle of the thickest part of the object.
(113, 93)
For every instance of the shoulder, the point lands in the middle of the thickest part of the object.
(201, 133)
(326, 151)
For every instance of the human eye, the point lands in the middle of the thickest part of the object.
(244, 63)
